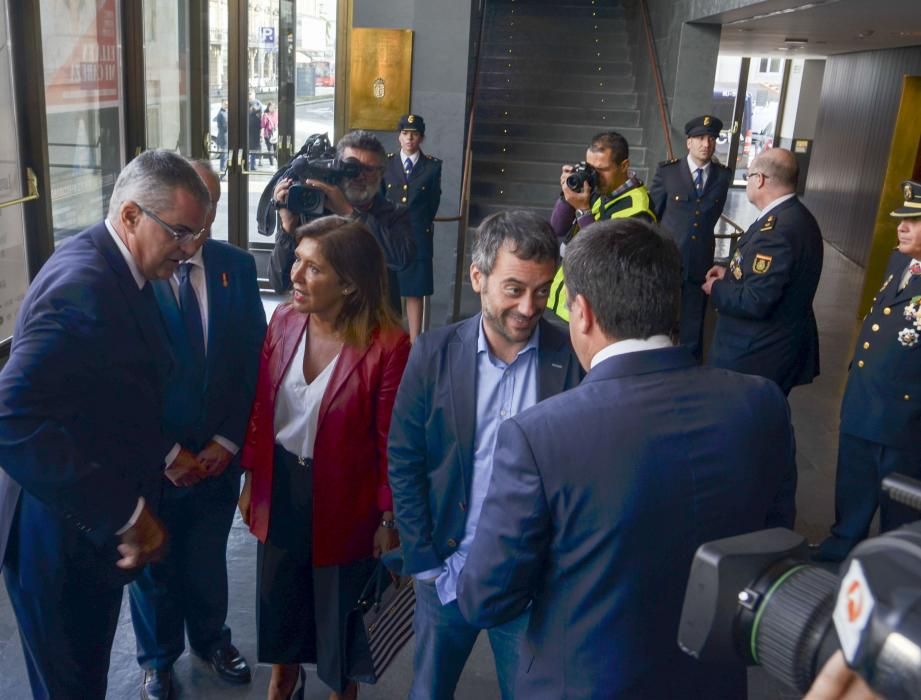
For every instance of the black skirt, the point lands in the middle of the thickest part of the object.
(301, 609)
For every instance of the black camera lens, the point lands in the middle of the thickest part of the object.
(581, 173)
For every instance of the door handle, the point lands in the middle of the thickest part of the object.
(32, 191)
(241, 162)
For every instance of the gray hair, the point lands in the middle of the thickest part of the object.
(151, 180)
(779, 164)
(528, 236)
(362, 141)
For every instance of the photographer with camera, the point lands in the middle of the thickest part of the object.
(357, 195)
(601, 187)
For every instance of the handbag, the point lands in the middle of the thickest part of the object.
(379, 626)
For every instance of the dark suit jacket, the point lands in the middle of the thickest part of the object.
(688, 218)
(766, 325)
(350, 489)
(599, 498)
(882, 400)
(81, 392)
(431, 436)
(236, 327)
(421, 192)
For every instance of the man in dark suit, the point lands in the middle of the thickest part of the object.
(688, 196)
(413, 180)
(600, 496)
(881, 409)
(80, 436)
(766, 325)
(460, 384)
(207, 409)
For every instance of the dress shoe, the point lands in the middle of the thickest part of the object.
(157, 685)
(229, 664)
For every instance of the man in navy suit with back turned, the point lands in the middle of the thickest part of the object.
(215, 322)
(80, 438)
(601, 495)
(460, 384)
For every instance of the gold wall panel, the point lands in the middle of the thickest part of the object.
(380, 76)
(902, 156)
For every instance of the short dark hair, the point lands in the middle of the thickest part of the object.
(613, 142)
(363, 141)
(529, 238)
(630, 274)
(352, 251)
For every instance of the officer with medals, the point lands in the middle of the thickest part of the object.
(766, 325)
(413, 180)
(608, 190)
(688, 196)
(881, 409)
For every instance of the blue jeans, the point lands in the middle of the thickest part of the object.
(444, 640)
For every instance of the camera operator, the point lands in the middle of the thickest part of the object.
(838, 682)
(360, 198)
(608, 191)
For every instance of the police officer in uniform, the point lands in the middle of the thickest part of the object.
(688, 196)
(616, 193)
(764, 300)
(881, 409)
(414, 180)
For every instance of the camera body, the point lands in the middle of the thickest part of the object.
(757, 598)
(581, 173)
(307, 201)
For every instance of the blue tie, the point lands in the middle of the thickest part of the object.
(699, 181)
(191, 313)
(408, 167)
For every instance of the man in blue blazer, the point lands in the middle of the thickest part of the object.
(207, 410)
(601, 495)
(881, 408)
(461, 383)
(688, 196)
(764, 300)
(80, 438)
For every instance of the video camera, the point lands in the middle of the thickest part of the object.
(581, 173)
(757, 598)
(318, 161)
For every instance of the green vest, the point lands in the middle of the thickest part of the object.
(633, 202)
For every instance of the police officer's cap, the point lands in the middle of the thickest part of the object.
(411, 122)
(705, 125)
(911, 191)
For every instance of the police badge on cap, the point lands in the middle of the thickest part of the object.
(911, 191)
(706, 125)
(411, 122)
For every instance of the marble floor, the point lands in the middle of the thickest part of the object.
(815, 414)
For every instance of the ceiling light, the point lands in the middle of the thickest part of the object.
(791, 40)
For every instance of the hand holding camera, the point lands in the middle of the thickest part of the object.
(577, 182)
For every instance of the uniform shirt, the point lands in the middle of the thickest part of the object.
(502, 391)
(414, 158)
(704, 175)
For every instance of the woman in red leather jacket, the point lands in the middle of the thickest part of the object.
(316, 492)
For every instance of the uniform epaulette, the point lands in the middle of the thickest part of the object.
(669, 162)
(437, 160)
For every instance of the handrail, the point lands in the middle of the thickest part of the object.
(738, 229)
(660, 90)
(31, 191)
(461, 255)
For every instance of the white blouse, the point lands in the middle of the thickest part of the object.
(297, 404)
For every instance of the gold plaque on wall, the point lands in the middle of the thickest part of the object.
(380, 76)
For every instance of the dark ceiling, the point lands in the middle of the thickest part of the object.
(818, 28)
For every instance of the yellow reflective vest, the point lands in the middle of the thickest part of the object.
(633, 202)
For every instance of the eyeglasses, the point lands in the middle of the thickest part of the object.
(371, 169)
(747, 175)
(181, 236)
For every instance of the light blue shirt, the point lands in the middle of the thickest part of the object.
(502, 391)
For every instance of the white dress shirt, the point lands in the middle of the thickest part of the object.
(777, 202)
(622, 347)
(414, 158)
(703, 176)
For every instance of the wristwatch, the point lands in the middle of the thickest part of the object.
(389, 524)
(580, 213)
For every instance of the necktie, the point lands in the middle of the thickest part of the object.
(408, 167)
(699, 181)
(191, 312)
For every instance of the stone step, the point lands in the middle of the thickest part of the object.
(582, 11)
(480, 210)
(538, 172)
(530, 193)
(559, 115)
(537, 80)
(611, 48)
(503, 153)
(554, 69)
(543, 97)
(577, 28)
(578, 134)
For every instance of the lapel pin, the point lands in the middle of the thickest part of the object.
(225, 280)
(554, 364)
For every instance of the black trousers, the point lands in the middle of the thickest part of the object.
(186, 592)
(691, 322)
(301, 609)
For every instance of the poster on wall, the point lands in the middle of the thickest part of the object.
(380, 77)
